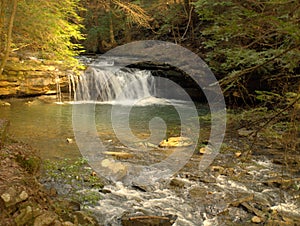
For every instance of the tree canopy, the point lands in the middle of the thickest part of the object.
(250, 45)
(49, 28)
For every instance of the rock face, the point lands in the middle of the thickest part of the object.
(29, 78)
(174, 74)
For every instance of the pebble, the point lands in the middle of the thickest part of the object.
(23, 196)
(238, 154)
(205, 150)
(70, 140)
(256, 220)
(5, 197)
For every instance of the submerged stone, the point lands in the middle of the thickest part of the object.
(122, 155)
(116, 169)
(176, 142)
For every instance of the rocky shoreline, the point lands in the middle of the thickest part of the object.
(23, 199)
(34, 77)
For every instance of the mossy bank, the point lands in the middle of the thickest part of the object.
(23, 199)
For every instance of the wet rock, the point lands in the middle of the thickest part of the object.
(5, 104)
(23, 196)
(115, 169)
(148, 221)
(67, 205)
(70, 140)
(177, 183)
(12, 196)
(207, 179)
(256, 219)
(48, 98)
(57, 223)
(104, 191)
(242, 198)
(205, 150)
(176, 142)
(243, 132)
(252, 209)
(198, 193)
(45, 219)
(238, 154)
(140, 187)
(83, 219)
(121, 155)
(67, 223)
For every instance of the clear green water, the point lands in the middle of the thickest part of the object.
(47, 125)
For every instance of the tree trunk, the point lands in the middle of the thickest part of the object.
(9, 33)
(111, 27)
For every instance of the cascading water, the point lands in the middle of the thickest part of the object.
(107, 85)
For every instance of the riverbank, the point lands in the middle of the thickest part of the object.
(24, 200)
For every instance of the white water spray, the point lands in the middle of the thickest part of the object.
(105, 85)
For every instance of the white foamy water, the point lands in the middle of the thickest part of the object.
(108, 85)
(161, 201)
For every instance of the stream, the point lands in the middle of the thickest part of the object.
(228, 192)
(190, 197)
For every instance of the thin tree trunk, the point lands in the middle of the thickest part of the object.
(111, 28)
(9, 32)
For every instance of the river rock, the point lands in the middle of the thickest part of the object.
(70, 140)
(85, 219)
(205, 150)
(122, 155)
(177, 183)
(176, 142)
(238, 154)
(4, 104)
(256, 219)
(12, 196)
(243, 132)
(116, 169)
(148, 221)
(198, 193)
(67, 223)
(47, 218)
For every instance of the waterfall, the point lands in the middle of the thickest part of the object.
(72, 80)
(58, 90)
(105, 85)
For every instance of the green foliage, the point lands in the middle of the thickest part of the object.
(247, 39)
(106, 20)
(269, 97)
(50, 28)
(30, 163)
(79, 175)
